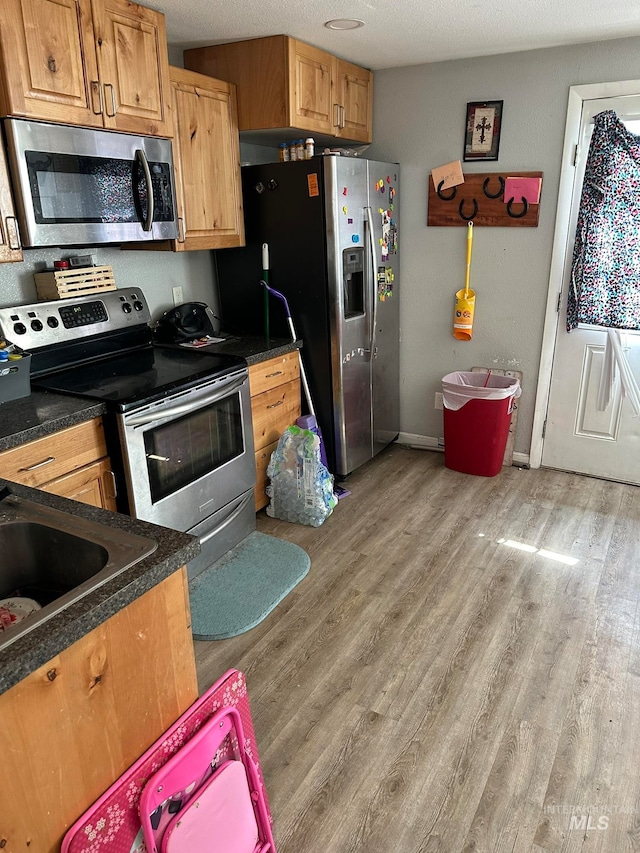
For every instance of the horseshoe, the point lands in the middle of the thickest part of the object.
(518, 215)
(446, 197)
(485, 188)
(475, 210)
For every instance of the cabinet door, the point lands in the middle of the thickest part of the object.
(265, 375)
(133, 66)
(354, 92)
(71, 727)
(273, 411)
(9, 237)
(49, 61)
(207, 162)
(310, 99)
(94, 485)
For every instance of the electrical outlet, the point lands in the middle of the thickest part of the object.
(177, 295)
(438, 404)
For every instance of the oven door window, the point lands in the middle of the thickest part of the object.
(190, 447)
(72, 188)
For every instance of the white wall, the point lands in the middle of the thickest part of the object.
(419, 117)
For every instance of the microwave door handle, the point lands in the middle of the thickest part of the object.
(141, 157)
(227, 521)
(185, 408)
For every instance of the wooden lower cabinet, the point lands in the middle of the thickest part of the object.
(94, 485)
(275, 405)
(72, 463)
(73, 726)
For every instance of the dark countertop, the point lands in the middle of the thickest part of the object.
(35, 648)
(252, 347)
(40, 414)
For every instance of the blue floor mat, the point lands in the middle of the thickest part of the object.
(239, 590)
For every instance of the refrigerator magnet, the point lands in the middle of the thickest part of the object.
(350, 221)
(344, 191)
(355, 238)
(312, 183)
(344, 210)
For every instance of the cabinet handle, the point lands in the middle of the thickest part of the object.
(181, 232)
(343, 120)
(275, 405)
(271, 375)
(95, 87)
(46, 461)
(113, 483)
(336, 113)
(109, 86)
(13, 233)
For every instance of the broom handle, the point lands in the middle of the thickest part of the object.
(469, 245)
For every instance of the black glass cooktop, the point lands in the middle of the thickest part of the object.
(133, 378)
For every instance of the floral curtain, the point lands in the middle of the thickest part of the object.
(605, 270)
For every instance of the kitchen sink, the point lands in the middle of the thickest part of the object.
(56, 558)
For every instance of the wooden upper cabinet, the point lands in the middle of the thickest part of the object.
(10, 249)
(95, 64)
(207, 162)
(310, 92)
(133, 67)
(49, 68)
(285, 83)
(353, 91)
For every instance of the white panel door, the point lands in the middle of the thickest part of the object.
(577, 436)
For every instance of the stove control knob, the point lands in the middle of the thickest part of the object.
(36, 325)
(52, 322)
(19, 328)
(138, 305)
(126, 307)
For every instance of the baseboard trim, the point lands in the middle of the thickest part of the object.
(429, 442)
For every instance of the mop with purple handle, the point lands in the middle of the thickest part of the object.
(309, 424)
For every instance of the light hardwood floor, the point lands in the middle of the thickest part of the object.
(431, 687)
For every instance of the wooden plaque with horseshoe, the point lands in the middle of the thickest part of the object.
(481, 199)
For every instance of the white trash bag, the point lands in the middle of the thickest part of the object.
(461, 386)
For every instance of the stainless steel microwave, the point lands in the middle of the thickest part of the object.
(77, 186)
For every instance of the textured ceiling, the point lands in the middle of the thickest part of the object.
(404, 32)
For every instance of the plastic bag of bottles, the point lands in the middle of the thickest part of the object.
(301, 488)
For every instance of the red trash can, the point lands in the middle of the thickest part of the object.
(477, 417)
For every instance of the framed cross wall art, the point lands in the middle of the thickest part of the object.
(482, 132)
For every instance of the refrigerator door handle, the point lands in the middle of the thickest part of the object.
(373, 288)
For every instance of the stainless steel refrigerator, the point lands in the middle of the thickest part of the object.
(331, 224)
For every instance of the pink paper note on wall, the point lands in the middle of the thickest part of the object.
(519, 188)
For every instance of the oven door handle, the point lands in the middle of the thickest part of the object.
(231, 517)
(160, 414)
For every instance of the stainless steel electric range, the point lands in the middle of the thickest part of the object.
(178, 421)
